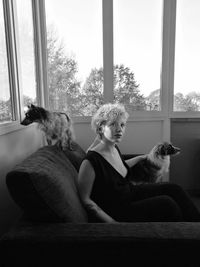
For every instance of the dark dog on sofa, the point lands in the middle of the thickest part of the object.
(57, 126)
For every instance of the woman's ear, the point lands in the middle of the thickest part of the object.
(100, 131)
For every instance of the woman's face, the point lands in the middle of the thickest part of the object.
(113, 131)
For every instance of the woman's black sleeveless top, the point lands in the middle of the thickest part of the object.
(111, 191)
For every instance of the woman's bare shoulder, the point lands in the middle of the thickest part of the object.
(97, 149)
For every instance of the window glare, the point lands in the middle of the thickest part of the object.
(138, 46)
(187, 56)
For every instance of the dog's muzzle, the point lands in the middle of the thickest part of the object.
(25, 122)
(176, 150)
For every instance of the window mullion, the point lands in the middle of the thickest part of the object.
(108, 49)
(169, 21)
(167, 84)
(40, 51)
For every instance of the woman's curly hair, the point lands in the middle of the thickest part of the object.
(108, 113)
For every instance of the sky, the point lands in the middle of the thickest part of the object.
(137, 38)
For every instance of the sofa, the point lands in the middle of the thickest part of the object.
(55, 231)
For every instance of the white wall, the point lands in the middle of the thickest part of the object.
(140, 136)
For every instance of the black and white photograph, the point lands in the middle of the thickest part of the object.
(99, 133)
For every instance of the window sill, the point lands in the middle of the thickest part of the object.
(150, 116)
(186, 119)
(9, 127)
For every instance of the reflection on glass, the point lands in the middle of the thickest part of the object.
(137, 53)
(75, 55)
(5, 101)
(187, 56)
(26, 50)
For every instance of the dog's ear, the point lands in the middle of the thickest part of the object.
(32, 106)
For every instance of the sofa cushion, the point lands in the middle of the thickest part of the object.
(45, 186)
(75, 155)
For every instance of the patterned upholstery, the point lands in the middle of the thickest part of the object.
(45, 186)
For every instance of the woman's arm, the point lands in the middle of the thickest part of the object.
(85, 183)
(132, 161)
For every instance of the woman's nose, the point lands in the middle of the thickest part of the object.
(118, 128)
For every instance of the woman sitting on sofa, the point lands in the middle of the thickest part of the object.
(104, 185)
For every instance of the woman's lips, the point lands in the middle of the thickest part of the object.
(118, 135)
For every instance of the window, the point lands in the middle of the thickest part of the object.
(187, 56)
(75, 55)
(26, 53)
(5, 95)
(17, 61)
(137, 53)
(132, 48)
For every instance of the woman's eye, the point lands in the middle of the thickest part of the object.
(123, 125)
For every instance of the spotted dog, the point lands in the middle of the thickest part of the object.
(152, 168)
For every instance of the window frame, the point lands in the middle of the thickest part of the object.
(11, 59)
(39, 26)
(10, 19)
(167, 67)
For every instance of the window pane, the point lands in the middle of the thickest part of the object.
(26, 50)
(5, 98)
(187, 56)
(75, 57)
(137, 53)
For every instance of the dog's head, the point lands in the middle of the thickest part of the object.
(166, 149)
(34, 114)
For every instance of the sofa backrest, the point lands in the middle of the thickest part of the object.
(44, 185)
